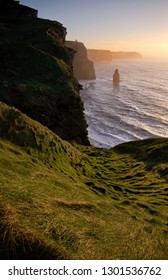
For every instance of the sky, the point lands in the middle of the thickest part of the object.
(116, 25)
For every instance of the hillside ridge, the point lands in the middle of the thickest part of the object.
(60, 201)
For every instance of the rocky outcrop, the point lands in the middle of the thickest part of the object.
(13, 10)
(125, 55)
(36, 76)
(83, 68)
(116, 77)
(99, 55)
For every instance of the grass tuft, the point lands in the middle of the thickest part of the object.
(60, 201)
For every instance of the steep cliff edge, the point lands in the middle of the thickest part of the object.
(36, 76)
(83, 68)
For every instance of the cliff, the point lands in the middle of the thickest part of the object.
(13, 10)
(36, 76)
(61, 201)
(106, 55)
(83, 68)
(99, 55)
(125, 55)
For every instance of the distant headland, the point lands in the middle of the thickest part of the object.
(107, 55)
(125, 55)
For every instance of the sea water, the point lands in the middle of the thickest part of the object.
(136, 108)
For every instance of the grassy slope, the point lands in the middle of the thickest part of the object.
(63, 202)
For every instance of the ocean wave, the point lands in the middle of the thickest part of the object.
(136, 109)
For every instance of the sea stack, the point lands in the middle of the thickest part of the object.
(116, 77)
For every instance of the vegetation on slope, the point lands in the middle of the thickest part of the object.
(58, 201)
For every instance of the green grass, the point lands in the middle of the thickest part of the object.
(59, 201)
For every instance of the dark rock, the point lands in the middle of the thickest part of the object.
(13, 10)
(116, 77)
(36, 76)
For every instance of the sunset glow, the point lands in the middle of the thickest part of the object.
(121, 25)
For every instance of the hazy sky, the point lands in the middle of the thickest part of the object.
(118, 25)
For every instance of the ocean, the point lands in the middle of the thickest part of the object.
(135, 109)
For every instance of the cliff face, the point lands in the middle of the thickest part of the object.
(89, 198)
(125, 55)
(106, 55)
(36, 76)
(83, 68)
(99, 55)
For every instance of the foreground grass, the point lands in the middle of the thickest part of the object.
(58, 201)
